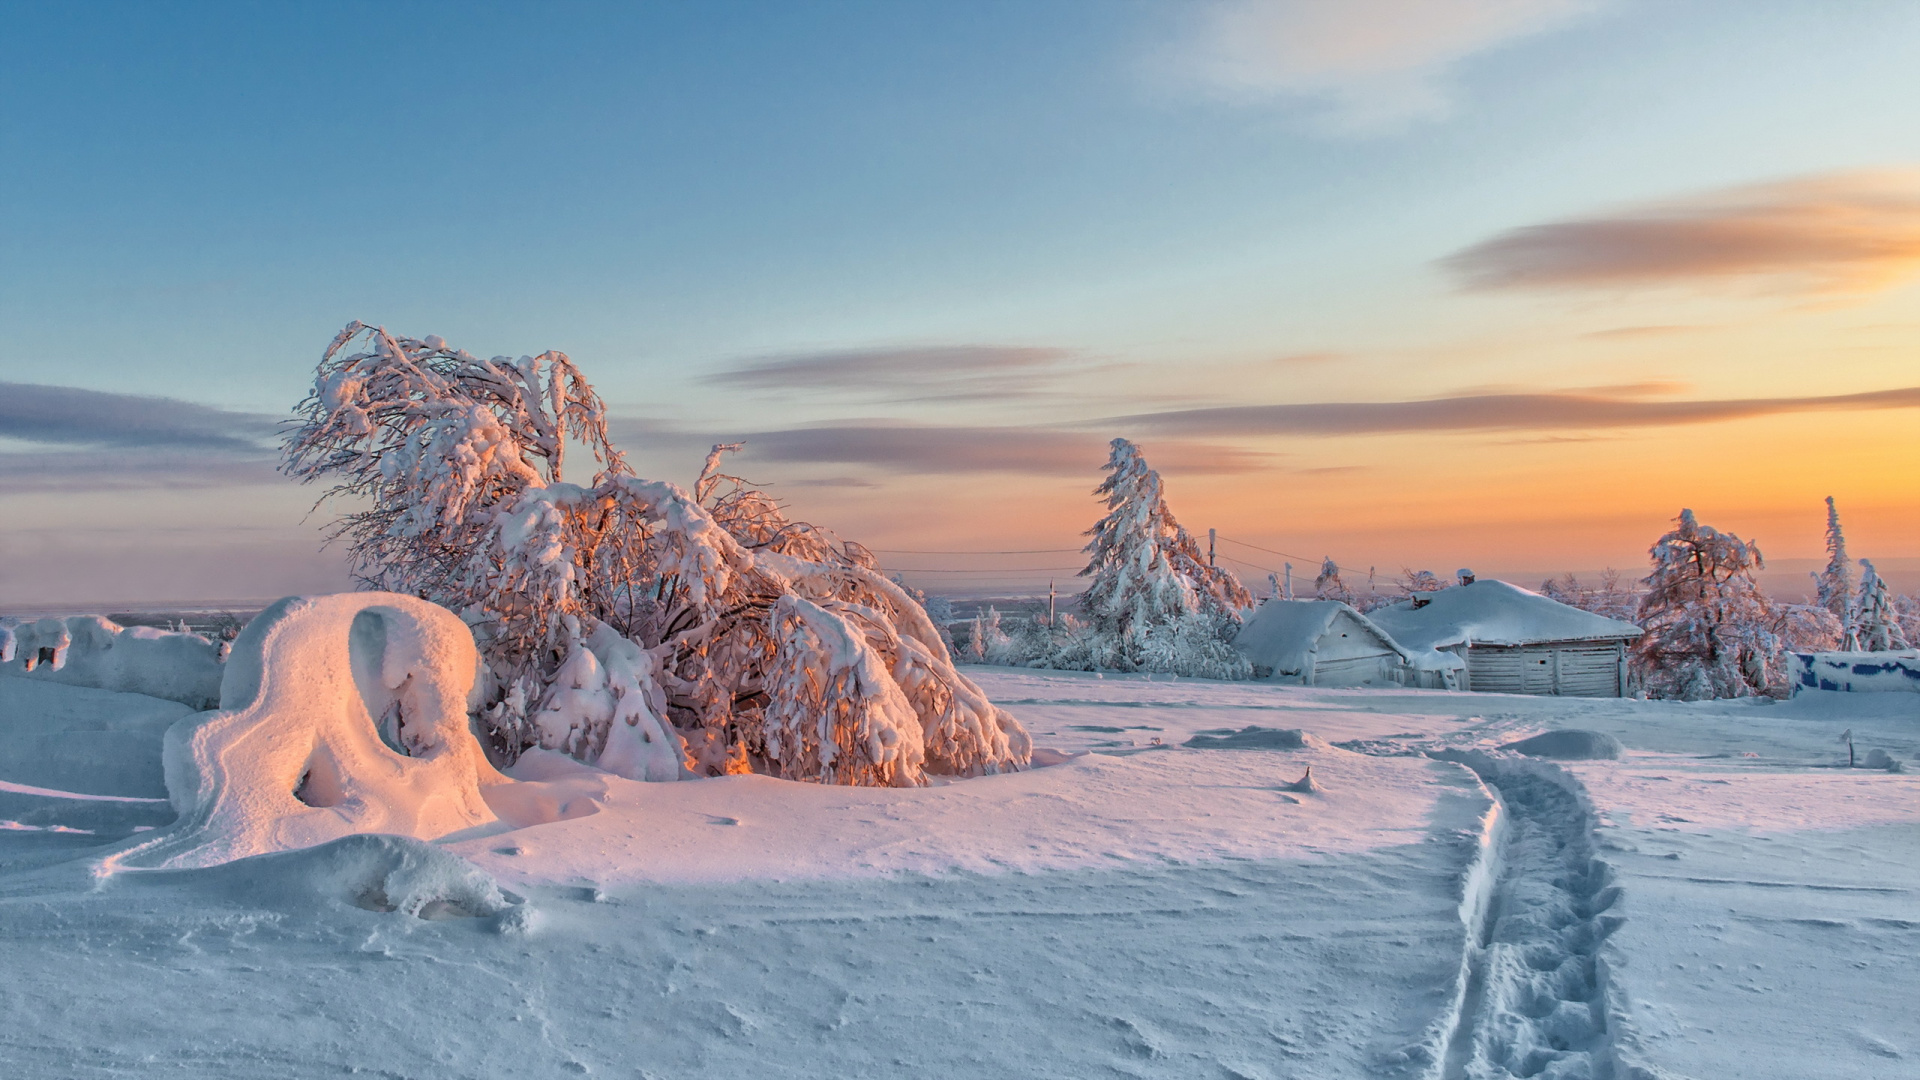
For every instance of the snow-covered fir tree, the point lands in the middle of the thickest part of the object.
(1833, 586)
(1876, 619)
(1154, 603)
(629, 622)
(1709, 627)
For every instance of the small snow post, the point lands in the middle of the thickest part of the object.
(767, 645)
(1155, 604)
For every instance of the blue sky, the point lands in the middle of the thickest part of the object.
(969, 217)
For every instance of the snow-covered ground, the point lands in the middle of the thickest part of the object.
(1726, 899)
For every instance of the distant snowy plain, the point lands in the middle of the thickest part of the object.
(1725, 899)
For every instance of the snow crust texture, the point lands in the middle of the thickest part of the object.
(340, 714)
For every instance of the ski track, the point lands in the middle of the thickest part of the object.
(1534, 1001)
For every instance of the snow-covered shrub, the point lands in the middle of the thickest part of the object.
(1709, 628)
(1328, 586)
(1606, 598)
(1876, 621)
(460, 462)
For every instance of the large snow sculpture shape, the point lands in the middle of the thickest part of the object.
(339, 715)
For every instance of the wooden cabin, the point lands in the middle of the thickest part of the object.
(1321, 643)
(1514, 641)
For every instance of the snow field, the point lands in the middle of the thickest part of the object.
(1144, 910)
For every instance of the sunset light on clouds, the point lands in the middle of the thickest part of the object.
(1501, 284)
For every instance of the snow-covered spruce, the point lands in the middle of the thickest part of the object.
(628, 622)
(1710, 630)
(1833, 586)
(1875, 623)
(1154, 603)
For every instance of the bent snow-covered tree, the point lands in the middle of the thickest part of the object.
(1154, 603)
(1710, 630)
(628, 622)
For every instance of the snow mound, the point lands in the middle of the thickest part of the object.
(1570, 744)
(1880, 759)
(340, 714)
(372, 872)
(1250, 738)
(87, 650)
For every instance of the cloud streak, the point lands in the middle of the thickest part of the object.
(932, 373)
(935, 450)
(1367, 66)
(1491, 412)
(1840, 233)
(70, 416)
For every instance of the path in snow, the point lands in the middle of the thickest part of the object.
(1536, 995)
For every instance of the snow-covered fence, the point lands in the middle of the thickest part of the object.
(87, 650)
(1856, 672)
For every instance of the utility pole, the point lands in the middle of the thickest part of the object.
(1289, 567)
(1211, 537)
(1049, 601)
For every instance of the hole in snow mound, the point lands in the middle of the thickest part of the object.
(320, 783)
(1249, 738)
(1570, 744)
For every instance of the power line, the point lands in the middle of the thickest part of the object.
(984, 571)
(1030, 551)
(1270, 551)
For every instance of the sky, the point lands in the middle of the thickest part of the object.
(1405, 283)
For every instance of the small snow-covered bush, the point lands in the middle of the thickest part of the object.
(1607, 597)
(624, 607)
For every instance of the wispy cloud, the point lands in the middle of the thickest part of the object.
(1366, 65)
(1637, 333)
(932, 373)
(122, 470)
(64, 438)
(1492, 412)
(935, 449)
(70, 416)
(1840, 233)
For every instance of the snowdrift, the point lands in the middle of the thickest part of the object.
(339, 714)
(88, 650)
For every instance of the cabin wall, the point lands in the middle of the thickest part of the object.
(1350, 655)
(1564, 669)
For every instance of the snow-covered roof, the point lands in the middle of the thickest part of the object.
(1489, 612)
(1284, 634)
